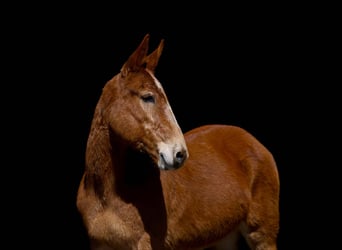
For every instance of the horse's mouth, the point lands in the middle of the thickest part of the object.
(160, 159)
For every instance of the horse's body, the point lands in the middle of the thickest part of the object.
(222, 182)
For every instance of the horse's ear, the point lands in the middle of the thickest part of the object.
(153, 58)
(136, 59)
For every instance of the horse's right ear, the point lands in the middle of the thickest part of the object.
(153, 58)
(137, 58)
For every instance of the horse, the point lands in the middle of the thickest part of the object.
(147, 185)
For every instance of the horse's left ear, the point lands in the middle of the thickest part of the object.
(152, 59)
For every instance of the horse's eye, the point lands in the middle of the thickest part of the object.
(148, 98)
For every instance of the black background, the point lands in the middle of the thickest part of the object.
(266, 70)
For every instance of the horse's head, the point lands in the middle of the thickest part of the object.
(137, 110)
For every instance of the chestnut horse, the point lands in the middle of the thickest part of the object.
(146, 185)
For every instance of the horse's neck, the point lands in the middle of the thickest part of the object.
(111, 166)
(101, 156)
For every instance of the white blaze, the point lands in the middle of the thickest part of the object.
(158, 84)
(168, 150)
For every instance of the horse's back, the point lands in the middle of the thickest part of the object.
(228, 137)
(231, 146)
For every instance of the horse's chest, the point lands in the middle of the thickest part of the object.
(127, 215)
(134, 224)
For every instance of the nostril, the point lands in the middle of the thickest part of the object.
(180, 156)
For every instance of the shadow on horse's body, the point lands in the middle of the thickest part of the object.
(146, 185)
